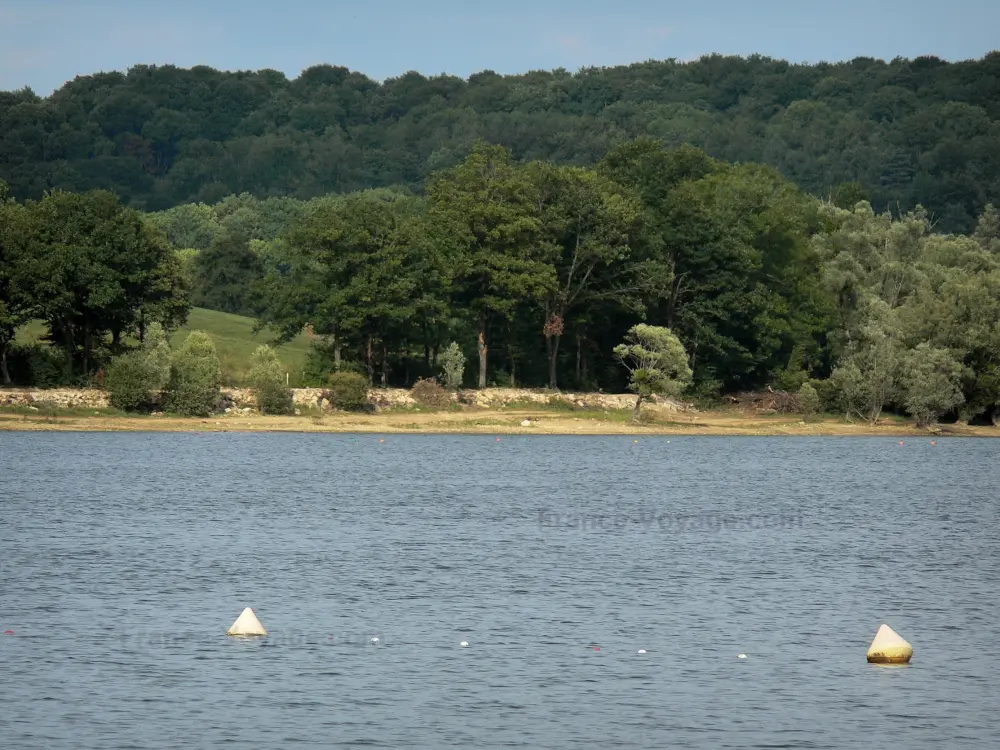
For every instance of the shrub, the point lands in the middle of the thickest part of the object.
(452, 366)
(430, 393)
(38, 365)
(130, 379)
(809, 401)
(321, 362)
(195, 377)
(156, 348)
(347, 391)
(268, 382)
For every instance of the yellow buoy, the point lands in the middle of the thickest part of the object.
(247, 624)
(889, 648)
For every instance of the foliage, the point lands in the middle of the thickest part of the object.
(452, 361)
(347, 391)
(91, 269)
(195, 377)
(130, 381)
(267, 379)
(427, 392)
(156, 350)
(930, 383)
(225, 275)
(809, 401)
(656, 362)
(906, 131)
(36, 364)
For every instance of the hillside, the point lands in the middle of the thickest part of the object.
(234, 340)
(908, 131)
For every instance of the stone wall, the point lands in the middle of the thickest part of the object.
(381, 398)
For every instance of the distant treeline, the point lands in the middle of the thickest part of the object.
(897, 133)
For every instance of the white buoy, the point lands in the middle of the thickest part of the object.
(247, 624)
(464, 644)
(889, 648)
(741, 656)
(375, 641)
(642, 651)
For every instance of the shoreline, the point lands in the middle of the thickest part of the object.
(486, 422)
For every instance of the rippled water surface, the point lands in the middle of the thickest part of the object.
(125, 557)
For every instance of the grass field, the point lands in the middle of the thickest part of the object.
(234, 340)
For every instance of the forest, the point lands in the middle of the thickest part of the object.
(534, 271)
(898, 134)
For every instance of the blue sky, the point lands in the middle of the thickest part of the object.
(43, 43)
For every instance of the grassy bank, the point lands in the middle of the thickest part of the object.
(234, 341)
(493, 422)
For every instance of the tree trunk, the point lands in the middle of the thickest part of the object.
(579, 371)
(995, 416)
(385, 364)
(368, 362)
(3, 364)
(336, 352)
(483, 351)
(86, 350)
(552, 344)
(635, 409)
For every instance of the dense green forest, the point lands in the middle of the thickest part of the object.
(899, 134)
(536, 271)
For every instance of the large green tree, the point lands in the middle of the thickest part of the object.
(95, 269)
(492, 206)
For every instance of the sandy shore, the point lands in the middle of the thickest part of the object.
(500, 422)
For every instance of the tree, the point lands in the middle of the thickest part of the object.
(16, 306)
(226, 273)
(492, 207)
(452, 362)
(930, 382)
(867, 375)
(195, 377)
(267, 379)
(134, 376)
(809, 400)
(95, 269)
(587, 223)
(656, 362)
(353, 272)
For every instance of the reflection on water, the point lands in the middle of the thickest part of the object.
(125, 557)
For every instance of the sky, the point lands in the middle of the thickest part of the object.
(44, 43)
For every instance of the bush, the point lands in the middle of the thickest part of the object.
(453, 365)
(195, 377)
(809, 401)
(156, 348)
(268, 382)
(38, 365)
(321, 362)
(347, 391)
(430, 393)
(130, 379)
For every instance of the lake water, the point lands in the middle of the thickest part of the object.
(125, 557)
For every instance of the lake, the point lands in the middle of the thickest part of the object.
(125, 557)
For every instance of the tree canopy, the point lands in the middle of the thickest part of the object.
(898, 134)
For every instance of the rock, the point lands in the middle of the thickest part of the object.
(247, 624)
(298, 412)
(33, 408)
(526, 423)
(889, 648)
